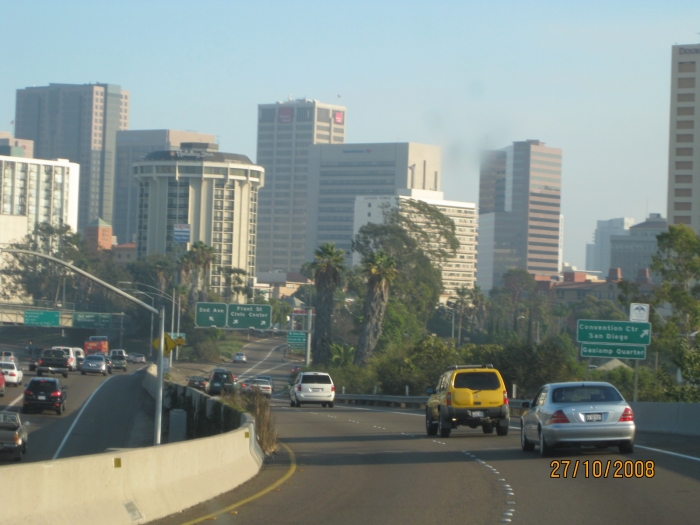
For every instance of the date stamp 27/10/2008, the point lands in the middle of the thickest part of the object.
(617, 469)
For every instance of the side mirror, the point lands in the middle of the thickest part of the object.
(430, 391)
(525, 404)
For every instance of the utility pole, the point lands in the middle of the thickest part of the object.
(308, 336)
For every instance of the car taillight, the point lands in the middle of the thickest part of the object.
(627, 415)
(29, 393)
(505, 397)
(448, 399)
(332, 388)
(12, 374)
(559, 417)
(16, 438)
(299, 388)
(41, 361)
(57, 393)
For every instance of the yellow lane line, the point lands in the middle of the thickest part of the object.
(292, 468)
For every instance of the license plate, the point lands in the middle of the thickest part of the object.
(594, 417)
(477, 413)
(317, 389)
(42, 398)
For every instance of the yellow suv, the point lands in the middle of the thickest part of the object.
(473, 395)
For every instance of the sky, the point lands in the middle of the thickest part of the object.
(589, 77)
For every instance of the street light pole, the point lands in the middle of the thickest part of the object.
(159, 393)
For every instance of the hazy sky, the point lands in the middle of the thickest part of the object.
(592, 78)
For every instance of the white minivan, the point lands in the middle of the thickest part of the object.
(79, 356)
(312, 387)
(72, 358)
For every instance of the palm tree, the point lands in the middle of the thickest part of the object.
(342, 355)
(201, 256)
(461, 305)
(328, 265)
(380, 270)
(235, 285)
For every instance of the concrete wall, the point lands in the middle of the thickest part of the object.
(152, 481)
(669, 418)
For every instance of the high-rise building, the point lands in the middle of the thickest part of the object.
(33, 191)
(632, 252)
(519, 211)
(459, 270)
(132, 146)
(98, 235)
(683, 151)
(195, 194)
(598, 252)
(79, 123)
(285, 132)
(340, 172)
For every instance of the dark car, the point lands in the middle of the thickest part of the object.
(44, 393)
(2, 385)
(198, 382)
(220, 381)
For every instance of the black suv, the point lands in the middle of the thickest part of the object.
(220, 380)
(45, 393)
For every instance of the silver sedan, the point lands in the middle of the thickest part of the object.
(577, 414)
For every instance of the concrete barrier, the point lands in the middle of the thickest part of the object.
(130, 486)
(668, 418)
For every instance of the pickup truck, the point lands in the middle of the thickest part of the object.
(53, 361)
(13, 435)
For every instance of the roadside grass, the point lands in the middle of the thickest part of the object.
(258, 406)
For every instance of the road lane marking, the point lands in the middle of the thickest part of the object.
(262, 360)
(75, 421)
(668, 452)
(14, 402)
(292, 468)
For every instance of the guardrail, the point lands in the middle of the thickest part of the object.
(405, 401)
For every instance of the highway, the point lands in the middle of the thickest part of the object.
(376, 465)
(354, 464)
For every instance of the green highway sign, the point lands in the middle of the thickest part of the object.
(91, 320)
(42, 318)
(613, 332)
(242, 316)
(296, 340)
(210, 315)
(613, 351)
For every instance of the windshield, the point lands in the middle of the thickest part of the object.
(477, 381)
(586, 394)
(320, 379)
(44, 385)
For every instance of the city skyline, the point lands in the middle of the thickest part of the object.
(594, 82)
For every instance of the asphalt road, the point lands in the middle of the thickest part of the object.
(376, 465)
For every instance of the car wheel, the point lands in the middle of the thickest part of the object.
(65, 374)
(444, 427)
(502, 430)
(104, 373)
(39, 373)
(323, 405)
(524, 443)
(626, 447)
(298, 404)
(292, 403)
(25, 410)
(487, 428)
(545, 449)
(18, 455)
(431, 427)
(59, 410)
(330, 405)
(83, 373)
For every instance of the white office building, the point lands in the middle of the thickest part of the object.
(36, 191)
(211, 194)
(457, 271)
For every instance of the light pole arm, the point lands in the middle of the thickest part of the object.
(84, 274)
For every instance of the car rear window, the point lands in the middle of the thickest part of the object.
(7, 366)
(54, 353)
(221, 377)
(316, 379)
(43, 386)
(586, 394)
(477, 381)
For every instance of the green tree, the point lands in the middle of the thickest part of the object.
(520, 284)
(380, 270)
(328, 266)
(677, 261)
(342, 355)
